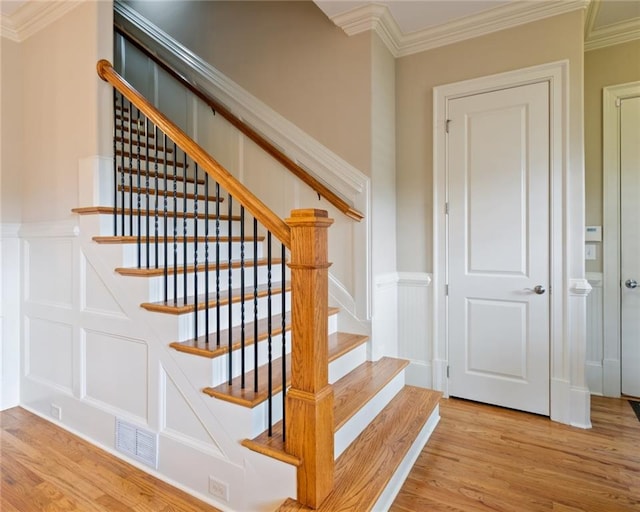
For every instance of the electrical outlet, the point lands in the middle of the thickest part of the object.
(218, 489)
(56, 411)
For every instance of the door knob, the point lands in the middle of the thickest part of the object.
(539, 289)
(631, 283)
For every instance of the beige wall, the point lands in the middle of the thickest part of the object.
(11, 132)
(612, 65)
(289, 55)
(548, 40)
(64, 108)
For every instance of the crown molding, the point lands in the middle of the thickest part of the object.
(33, 17)
(612, 34)
(377, 17)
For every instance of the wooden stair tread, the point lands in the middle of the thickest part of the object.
(108, 210)
(248, 397)
(170, 194)
(348, 400)
(204, 348)
(143, 144)
(149, 158)
(152, 173)
(368, 464)
(187, 305)
(132, 239)
(181, 269)
(355, 389)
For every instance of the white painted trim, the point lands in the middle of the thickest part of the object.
(377, 17)
(32, 17)
(611, 233)
(10, 230)
(608, 35)
(52, 229)
(414, 279)
(594, 278)
(562, 308)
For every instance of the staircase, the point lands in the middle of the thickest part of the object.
(209, 274)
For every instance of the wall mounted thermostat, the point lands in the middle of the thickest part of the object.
(593, 234)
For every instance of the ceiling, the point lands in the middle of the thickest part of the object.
(408, 26)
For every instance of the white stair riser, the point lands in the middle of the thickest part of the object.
(182, 327)
(359, 421)
(156, 285)
(348, 362)
(176, 253)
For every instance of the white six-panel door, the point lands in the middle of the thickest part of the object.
(498, 247)
(630, 244)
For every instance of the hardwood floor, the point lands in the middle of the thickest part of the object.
(484, 458)
(480, 458)
(46, 468)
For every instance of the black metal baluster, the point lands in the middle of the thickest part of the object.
(242, 334)
(184, 228)
(206, 257)
(218, 265)
(157, 197)
(117, 134)
(284, 340)
(146, 185)
(195, 253)
(175, 224)
(165, 245)
(130, 169)
(255, 304)
(269, 339)
(138, 191)
(230, 296)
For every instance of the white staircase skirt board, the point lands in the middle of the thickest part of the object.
(359, 421)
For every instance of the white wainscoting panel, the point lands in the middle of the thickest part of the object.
(49, 353)
(96, 297)
(384, 325)
(414, 327)
(595, 335)
(10, 272)
(116, 372)
(44, 286)
(180, 421)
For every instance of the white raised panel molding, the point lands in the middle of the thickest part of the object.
(384, 323)
(569, 395)
(414, 327)
(10, 271)
(593, 367)
(611, 370)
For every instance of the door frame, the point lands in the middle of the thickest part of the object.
(611, 243)
(569, 397)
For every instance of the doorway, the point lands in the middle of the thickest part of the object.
(621, 237)
(568, 397)
(498, 247)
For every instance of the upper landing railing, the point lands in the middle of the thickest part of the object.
(338, 202)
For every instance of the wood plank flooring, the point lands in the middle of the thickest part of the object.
(46, 468)
(479, 458)
(483, 458)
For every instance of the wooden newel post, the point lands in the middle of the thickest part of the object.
(309, 405)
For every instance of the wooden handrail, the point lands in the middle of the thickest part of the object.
(243, 127)
(226, 180)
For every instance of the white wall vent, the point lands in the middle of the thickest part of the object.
(135, 442)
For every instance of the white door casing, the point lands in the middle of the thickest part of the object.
(611, 365)
(498, 247)
(569, 396)
(630, 245)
